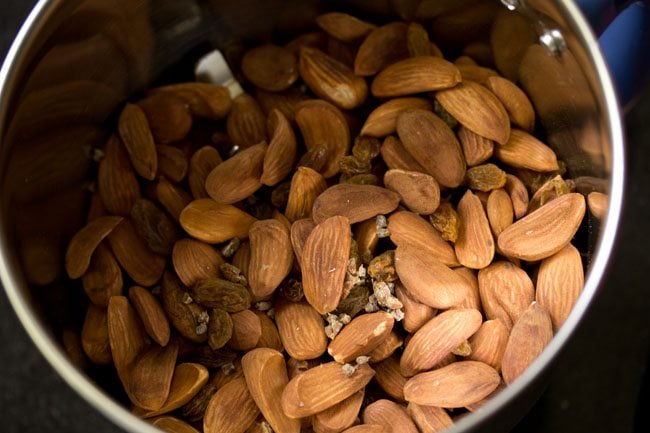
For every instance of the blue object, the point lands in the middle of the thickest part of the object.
(598, 12)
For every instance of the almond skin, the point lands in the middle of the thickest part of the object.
(429, 419)
(172, 425)
(386, 348)
(270, 67)
(344, 27)
(397, 158)
(83, 244)
(545, 231)
(246, 330)
(500, 211)
(388, 413)
(231, 409)
(94, 336)
(473, 299)
(598, 203)
(168, 115)
(382, 47)
(246, 123)
(361, 336)
(518, 195)
(136, 135)
(489, 343)
(383, 119)
(522, 150)
(416, 314)
(150, 377)
(530, 335)
(476, 149)
(456, 385)
(103, 278)
(367, 428)
(281, 153)
(172, 197)
(355, 202)
(213, 223)
(151, 313)
(475, 244)
(419, 192)
(271, 257)
(389, 376)
(306, 186)
(205, 100)
(514, 100)
(172, 162)
(195, 261)
(202, 163)
(116, 181)
(415, 75)
(300, 231)
(437, 338)
(340, 416)
(301, 329)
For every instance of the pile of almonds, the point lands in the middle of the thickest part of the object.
(385, 246)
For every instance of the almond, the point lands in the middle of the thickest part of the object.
(301, 329)
(323, 124)
(418, 41)
(545, 231)
(427, 279)
(183, 316)
(205, 100)
(382, 121)
(131, 251)
(389, 414)
(270, 337)
(340, 416)
(437, 338)
(212, 222)
(456, 385)
(246, 330)
(475, 244)
(270, 67)
(116, 182)
(389, 377)
(367, 428)
(242, 258)
(284, 102)
(433, 145)
(201, 165)
(331, 80)
(356, 202)
(306, 186)
(386, 347)
(305, 394)
(85, 242)
(429, 419)
(476, 73)
(344, 52)
(479, 404)
(499, 211)
(281, 154)
(231, 409)
(103, 278)
(415, 313)
(518, 195)
(194, 261)
(361, 336)
(168, 116)
(151, 313)
(396, 157)
(94, 336)
(172, 198)
(473, 299)
(515, 101)
(382, 47)
(530, 335)
(300, 231)
(560, 280)
(419, 192)
(478, 109)
(523, 150)
(170, 424)
(151, 375)
(344, 27)
(172, 162)
(476, 149)
(271, 257)
(136, 135)
(415, 75)
(598, 203)
(489, 343)
(506, 291)
(246, 123)
(238, 177)
(266, 377)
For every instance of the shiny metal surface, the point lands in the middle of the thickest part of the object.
(75, 61)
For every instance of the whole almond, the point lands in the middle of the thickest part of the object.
(212, 222)
(506, 291)
(523, 150)
(331, 80)
(500, 211)
(419, 192)
(183, 316)
(416, 314)
(270, 337)
(489, 343)
(361, 336)
(205, 100)
(246, 330)
(285, 102)
(136, 135)
(246, 123)
(340, 416)
(301, 330)
(427, 279)
(433, 145)
(386, 348)
(150, 377)
(545, 231)
(473, 299)
(85, 242)
(136, 258)
(271, 257)
(324, 263)
(382, 47)
(475, 244)
(195, 260)
(281, 154)
(514, 100)
(270, 67)
(172, 197)
(389, 377)
(518, 195)
(598, 203)
(415, 75)
(478, 109)
(266, 377)
(382, 120)
(355, 202)
(456, 385)
(300, 231)
(344, 27)
(238, 177)
(306, 186)
(242, 257)
(305, 394)
(94, 336)
(396, 157)
(170, 424)
(418, 41)
(172, 162)
(367, 428)
(103, 278)
(390, 414)
(231, 409)
(560, 280)
(168, 116)
(429, 419)
(476, 149)
(479, 404)
(323, 124)
(202, 163)
(476, 73)
(530, 335)
(116, 182)
(151, 313)
(437, 338)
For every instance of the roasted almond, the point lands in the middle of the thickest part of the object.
(281, 153)
(397, 158)
(476, 149)
(305, 394)
(340, 416)
(231, 409)
(415, 75)
(116, 182)
(205, 100)
(331, 80)
(194, 261)
(489, 343)
(238, 177)
(136, 135)
(300, 231)
(270, 67)
(246, 330)
(530, 335)
(367, 428)
(103, 278)
(475, 244)
(545, 231)
(271, 257)
(433, 144)
(418, 42)
(382, 47)
(419, 192)
(306, 186)
(456, 385)
(150, 377)
(94, 336)
(429, 419)
(478, 109)
(387, 413)
(172, 198)
(437, 338)
(361, 336)
(515, 101)
(171, 424)
(344, 27)
(476, 73)
(598, 203)
(500, 211)
(382, 120)
(473, 299)
(284, 102)
(212, 222)
(301, 329)
(172, 162)
(389, 377)
(85, 242)
(506, 291)
(168, 116)
(356, 202)
(246, 123)
(518, 195)
(523, 150)
(151, 313)
(416, 314)
(270, 337)
(202, 163)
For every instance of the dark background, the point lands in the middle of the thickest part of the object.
(597, 384)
